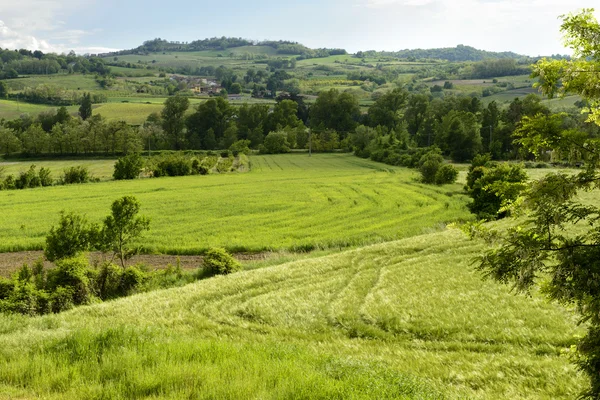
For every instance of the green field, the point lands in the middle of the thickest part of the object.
(285, 202)
(102, 169)
(10, 109)
(401, 320)
(64, 81)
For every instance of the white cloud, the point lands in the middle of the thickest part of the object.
(39, 25)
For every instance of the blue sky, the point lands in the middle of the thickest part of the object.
(527, 26)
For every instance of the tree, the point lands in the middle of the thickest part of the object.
(69, 238)
(458, 135)
(122, 227)
(559, 242)
(284, 114)
(388, 109)
(493, 187)
(207, 126)
(3, 90)
(173, 119)
(85, 110)
(275, 142)
(335, 110)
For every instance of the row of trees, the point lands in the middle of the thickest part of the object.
(398, 120)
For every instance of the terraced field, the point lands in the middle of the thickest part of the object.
(406, 320)
(292, 202)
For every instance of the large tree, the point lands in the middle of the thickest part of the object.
(207, 126)
(335, 110)
(558, 240)
(173, 120)
(388, 110)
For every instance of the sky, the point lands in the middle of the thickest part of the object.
(529, 27)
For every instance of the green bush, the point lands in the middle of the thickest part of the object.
(108, 281)
(28, 179)
(219, 261)
(70, 237)
(131, 279)
(494, 187)
(76, 174)
(241, 146)
(128, 167)
(275, 143)
(446, 174)
(62, 299)
(198, 168)
(72, 273)
(429, 165)
(172, 165)
(45, 177)
(6, 288)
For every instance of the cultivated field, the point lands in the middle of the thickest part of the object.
(292, 202)
(404, 320)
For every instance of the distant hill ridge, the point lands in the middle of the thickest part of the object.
(284, 47)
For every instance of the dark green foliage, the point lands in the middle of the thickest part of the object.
(493, 187)
(73, 175)
(429, 165)
(6, 288)
(61, 299)
(85, 110)
(219, 262)
(335, 110)
(198, 168)
(241, 146)
(131, 279)
(171, 165)
(72, 273)
(275, 143)
(128, 167)
(446, 174)
(30, 179)
(69, 238)
(173, 120)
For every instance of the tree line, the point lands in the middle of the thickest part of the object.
(397, 122)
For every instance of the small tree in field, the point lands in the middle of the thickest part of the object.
(122, 227)
(69, 238)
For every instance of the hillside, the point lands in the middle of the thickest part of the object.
(407, 319)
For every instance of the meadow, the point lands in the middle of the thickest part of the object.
(403, 320)
(287, 202)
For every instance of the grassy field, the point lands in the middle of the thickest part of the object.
(64, 81)
(285, 202)
(10, 109)
(403, 320)
(102, 169)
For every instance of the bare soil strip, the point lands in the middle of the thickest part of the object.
(10, 262)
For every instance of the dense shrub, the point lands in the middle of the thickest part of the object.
(77, 174)
(429, 165)
(62, 299)
(198, 168)
(446, 174)
(219, 261)
(172, 165)
(70, 237)
(275, 143)
(241, 146)
(493, 187)
(72, 273)
(128, 167)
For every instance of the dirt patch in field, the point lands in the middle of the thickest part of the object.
(10, 262)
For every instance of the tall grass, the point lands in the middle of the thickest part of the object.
(288, 202)
(407, 319)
